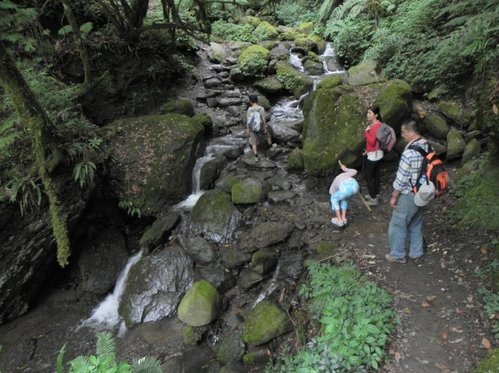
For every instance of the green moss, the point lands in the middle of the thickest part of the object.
(330, 82)
(253, 61)
(200, 304)
(395, 102)
(295, 160)
(248, 359)
(265, 31)
(265, 322)
(490, 364)
(452, 110)
(325, 249)
(191, 335)
(246, 191)
(293, 80)
(305, 27)
(253, 21)
(477, 192)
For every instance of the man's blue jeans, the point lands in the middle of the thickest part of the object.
(406, 223)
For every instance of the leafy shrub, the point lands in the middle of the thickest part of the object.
(233, 32)
(356, 321)
(265, 31)
(292, 14)
(253, 61)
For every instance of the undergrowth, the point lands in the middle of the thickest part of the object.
(356, 321)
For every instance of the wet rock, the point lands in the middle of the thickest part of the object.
(200, 305)
(101, 262)
(159, 231)
(191, 335)
(246, 191)
(154, 286)
(211, 82)
(291, 266)
(230, 348)
(264, 235)
(198, 249)
(233, 257)
(265, 322)
(264, 260)
(293, 80)
(280, 196)
(248, 279)
(313, 68)
(215, 217)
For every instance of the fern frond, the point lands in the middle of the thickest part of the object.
(59, 364)
(106, 346)
(146, 365)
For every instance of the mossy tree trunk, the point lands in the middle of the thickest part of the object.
(80, 44)
(36, 124)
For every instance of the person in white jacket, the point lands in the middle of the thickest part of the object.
(344, 187)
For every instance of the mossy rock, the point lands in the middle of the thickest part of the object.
(230, 348)
(305, 27)
(471, 150)
(289, 36)
(253, 61)
(157, 233)
(215, 216)
(200, 305)
(246, 191)
(179, 106)
(364, 73)
(326, 249)
(270, 85)
(395, 102)
(191, 335)
(334, 125)
(313, 68)
(437, 126)
(490, 364)
(265, 322)
(252, 20)
(153, 157)
(204, 120)
(295, 160)
(265, 31)
(330, 82)
(453, 111)
(293, 80)
(319, 42)
(455, 144)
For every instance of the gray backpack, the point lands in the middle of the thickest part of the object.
(254, 120)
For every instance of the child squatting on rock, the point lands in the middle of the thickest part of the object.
(344, 187)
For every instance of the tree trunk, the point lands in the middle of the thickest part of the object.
(36, 124)
(80, 44)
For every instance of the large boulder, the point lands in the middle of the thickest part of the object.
(253, 61)
(218, 52)
(214, 216)
(437, 126)
(334, 125)
(270, 85)
(154, 286)
(247, 191)
(158, 232)
(472, 150)
(200, 305)
(394, 102)
(265, 31)
(265, 322)
(293, 80)
(264, 235)
(452, 110)
(364, 73)
(152, 159)
(455, 144)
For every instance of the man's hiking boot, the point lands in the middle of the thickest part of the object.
(393, 259)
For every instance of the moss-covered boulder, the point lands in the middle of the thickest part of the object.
(334, 125)
(289, 35)
(179, 106)
(270, 85)
(265, 322)
(395, 102)
(452, 110)
(305, 27)
(253, 61)
(293, 80)
(204, 120)
(215, 216)
(152, 160)
(252, 20)
(218, 52)
(471, 150)
(158, 232)
(265, 31)
(247, 191)
(330, 82)
(313, 68)
(364, 73)
(200, 305)
(437, 126)
(264, 235)
(455, 144)
(295, 160)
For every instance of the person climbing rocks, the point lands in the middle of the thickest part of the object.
(256, 123)
(343, 187)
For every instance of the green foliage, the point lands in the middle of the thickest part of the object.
(490, 302)
(233, 32)
(253, 61)
(130, 208)
(26, 191)
(14, 20)
(292, 14)
(475, 191)
(104, 361)
(356, 321)
(84, 173)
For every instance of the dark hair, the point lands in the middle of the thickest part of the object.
(375, 110)
(411, 125)
(253, 99)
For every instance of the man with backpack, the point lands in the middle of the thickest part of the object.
(407, 217)
(256, 123)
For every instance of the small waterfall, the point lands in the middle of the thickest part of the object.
(272, 285)
(295, 61)
(106, 315)
(331, 66)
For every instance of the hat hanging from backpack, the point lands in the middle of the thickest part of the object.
(425, 194)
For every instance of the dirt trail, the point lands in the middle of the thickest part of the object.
(440, 329)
